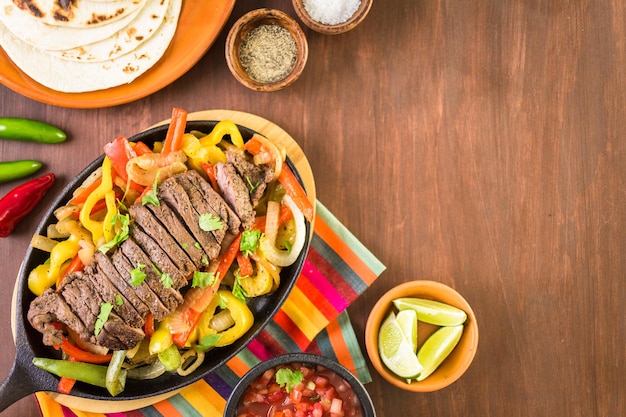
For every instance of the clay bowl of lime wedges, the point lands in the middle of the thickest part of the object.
(421, 336)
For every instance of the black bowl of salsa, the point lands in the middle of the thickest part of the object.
(299, 384)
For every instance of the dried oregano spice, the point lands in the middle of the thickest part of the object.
(268, 53)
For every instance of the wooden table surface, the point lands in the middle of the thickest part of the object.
(480, 144)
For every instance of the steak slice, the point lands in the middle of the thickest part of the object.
(158, 256)
(213, 199)
(107, 269)
(142, 290)
(81, 298)
(49, 308)
(202, 206)
(179, 232)
(257, 177)
(175, 196)
(109, 294)
(235, 192)
(169, 297)
(153, 228)
(117, 335)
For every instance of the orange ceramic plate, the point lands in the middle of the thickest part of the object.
(200, 23)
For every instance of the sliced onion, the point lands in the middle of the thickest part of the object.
(43, 243)
(86, 251)
(189, 364)
(274, 270)
(64, 212)
(274, 150)
(268, 242)
(222, 321)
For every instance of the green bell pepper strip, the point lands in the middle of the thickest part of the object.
(116, 376)
(14, 170)
(16, 128)
(80, 371)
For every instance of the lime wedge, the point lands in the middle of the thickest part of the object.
(437, 348)
(407, 319)
(396, 350)
(433, 312)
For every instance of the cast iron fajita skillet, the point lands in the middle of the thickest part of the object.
(24, 378)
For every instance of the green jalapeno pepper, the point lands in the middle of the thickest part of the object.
(14, 170)
(16, 128)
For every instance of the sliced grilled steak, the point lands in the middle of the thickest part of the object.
(109, 294)
(213, 199)
(107, 269)
(142, 290)
(49, 308)
(256, 177)
(153, 228)
(117, 335)
(175, 196)
(179, 232)
(158, 256)
(236, 192)
(201, 205)
(81, 297)
(169, 296)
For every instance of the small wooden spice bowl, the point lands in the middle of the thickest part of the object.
(248, 23)
(329, 29)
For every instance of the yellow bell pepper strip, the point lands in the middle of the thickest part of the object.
(38, 279)
(161, 339)
(175, 132)
(221, 129)
(61, 253)
(258, 284)
(198, 154)
(241, 315)
(108, 224)
(197, 299)
(97, 227)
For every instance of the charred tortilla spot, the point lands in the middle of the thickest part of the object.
(30, 6)
(99, 18)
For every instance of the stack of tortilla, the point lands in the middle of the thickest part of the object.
(77, 46)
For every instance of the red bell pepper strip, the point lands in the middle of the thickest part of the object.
(203, 296)
(245, 265)
(21, 200)
(82, 197)
(66, 383)
(209, 170)
(174, 137)
(292, 186)
(82, 355)
(141, 148)
(75, 265)
(148, 326)
(119, 153)
(283, 215)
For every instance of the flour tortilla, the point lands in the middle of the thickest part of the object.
(44, 36)
(77, 77)
(78, 13)
(139, 30)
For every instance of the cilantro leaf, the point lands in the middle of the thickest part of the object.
(252, 186)
(238, 291)
(119, 300)
(124, 221)
(151, 196)
(137, 275)
(208, 222)
(208, 341)
(167, 280)
(249, 241)
(289, 378)
(203, 279)
(105, 310)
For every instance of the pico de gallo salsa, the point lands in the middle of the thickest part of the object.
(299, 390)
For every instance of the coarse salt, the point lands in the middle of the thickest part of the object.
(331, 12)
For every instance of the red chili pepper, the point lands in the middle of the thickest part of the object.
(22, 200)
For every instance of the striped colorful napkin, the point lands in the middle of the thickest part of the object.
(337, 270)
